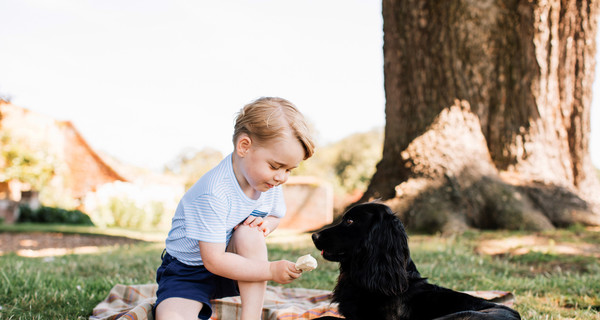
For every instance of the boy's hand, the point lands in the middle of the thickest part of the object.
(258, 222)
(253, 221)
(284, 271)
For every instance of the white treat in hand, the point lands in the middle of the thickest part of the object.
(306, 263)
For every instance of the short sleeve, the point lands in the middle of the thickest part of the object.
(205, 219)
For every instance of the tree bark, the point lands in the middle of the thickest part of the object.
(488, 114)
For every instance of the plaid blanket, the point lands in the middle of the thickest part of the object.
(129, 302)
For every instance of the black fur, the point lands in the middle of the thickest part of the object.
(378, 279)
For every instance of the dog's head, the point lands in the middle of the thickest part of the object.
(372, 247)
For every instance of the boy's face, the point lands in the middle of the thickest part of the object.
(264, 166)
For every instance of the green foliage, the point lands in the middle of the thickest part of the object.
(35, 168)
(129, 205)
(128, 214)
(124, 212)
(18, 162)
(192, 164)
(349, 163)
(53, 215)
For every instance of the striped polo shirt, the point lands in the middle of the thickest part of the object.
(212, 207)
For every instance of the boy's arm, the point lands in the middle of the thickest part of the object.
(233, 266)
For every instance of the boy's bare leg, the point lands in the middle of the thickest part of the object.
(178, 309)
(250, 243)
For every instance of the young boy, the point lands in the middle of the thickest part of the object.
(216, 246)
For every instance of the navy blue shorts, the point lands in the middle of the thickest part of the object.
(178, 280)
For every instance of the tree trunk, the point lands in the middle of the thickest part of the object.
(488, 114)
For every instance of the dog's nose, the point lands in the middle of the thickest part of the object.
(315, 236)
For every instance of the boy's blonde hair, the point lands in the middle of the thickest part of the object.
(268, 118)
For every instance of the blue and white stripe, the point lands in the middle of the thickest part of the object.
(212, 208)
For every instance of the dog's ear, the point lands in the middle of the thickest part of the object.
(380, 261)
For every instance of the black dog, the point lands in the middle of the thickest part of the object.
(378, 279)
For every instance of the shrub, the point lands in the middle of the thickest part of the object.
(53, 215)
(130, 205)
(349, 163)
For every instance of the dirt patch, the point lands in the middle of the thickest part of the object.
(520, 245)
(546, 253)
(40, 244)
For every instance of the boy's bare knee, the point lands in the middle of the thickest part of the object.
(248, 242)
(178, 308)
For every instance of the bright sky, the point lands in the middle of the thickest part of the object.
(144, 79)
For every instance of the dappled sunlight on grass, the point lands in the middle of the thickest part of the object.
(51, 252)
(45, 244)
(556, 306)
(519, 245)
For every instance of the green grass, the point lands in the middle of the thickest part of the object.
(69, 287)
(546, 286)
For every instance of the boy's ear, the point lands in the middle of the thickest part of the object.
(243, 145)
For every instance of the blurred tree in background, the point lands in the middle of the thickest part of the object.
(349, 163)
(191, 164)
(356, 158)
(17, 162)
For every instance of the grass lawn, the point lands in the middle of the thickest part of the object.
(546, 285)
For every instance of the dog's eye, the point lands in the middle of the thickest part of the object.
(349, 221)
